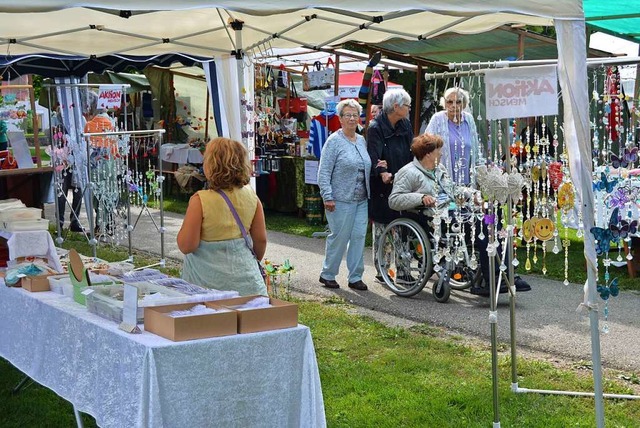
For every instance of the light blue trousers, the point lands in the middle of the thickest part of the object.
(348, 224)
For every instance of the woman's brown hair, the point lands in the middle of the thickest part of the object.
(226, 164)
(424, 144)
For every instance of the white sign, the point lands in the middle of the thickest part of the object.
(109, 97)
(130, 305)
(311, 171)
(521, 92)
(130, 310)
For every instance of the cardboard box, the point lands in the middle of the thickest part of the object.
(281, 314)
(36, 283)
(178, 329)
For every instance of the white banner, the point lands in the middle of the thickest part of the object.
(109, 97)
(521, 92)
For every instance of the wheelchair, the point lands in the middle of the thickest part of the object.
(414, 247)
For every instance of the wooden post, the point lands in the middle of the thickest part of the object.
(336, 79)
(520, 46)
(34, 116)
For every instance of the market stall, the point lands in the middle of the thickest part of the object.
(257, 25)
(268, 378)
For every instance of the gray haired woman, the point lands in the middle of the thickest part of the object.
(456, 127)
(343, 177)
(389, 144)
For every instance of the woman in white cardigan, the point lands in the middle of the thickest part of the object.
(456, 127)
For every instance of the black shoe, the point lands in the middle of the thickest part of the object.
(521, 284)
(358, 285)
(480, 291)
(76, 228)
(329, 283)
(379, 279)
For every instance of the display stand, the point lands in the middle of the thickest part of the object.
(68, 152)
(128, 175)
(591, 295)
(132, 185)
(24, 183)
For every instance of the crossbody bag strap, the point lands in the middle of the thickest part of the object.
(237, 217)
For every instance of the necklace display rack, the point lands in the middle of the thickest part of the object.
(549, 185)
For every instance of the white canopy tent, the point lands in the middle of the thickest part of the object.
(204, 28)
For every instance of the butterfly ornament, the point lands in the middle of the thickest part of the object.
(608, 290)
(604, 235)
(629, 157)
(605, 184)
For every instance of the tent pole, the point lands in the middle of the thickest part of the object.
(237, 25)
(418, 101)
(206, 119)
(493, 317)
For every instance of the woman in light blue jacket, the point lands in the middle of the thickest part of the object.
(343, 177)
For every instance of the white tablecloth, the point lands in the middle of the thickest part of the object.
(32, 243)
(255, 380)
(180, 153)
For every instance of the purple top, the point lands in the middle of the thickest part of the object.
(460, 146)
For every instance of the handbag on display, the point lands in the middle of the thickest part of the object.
(317, 77)
(244, 233)
(329, 73)
(297, 104)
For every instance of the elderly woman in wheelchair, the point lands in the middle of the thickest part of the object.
(436, 229)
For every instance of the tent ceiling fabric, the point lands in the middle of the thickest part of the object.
(195, 28)
(560, 9)
(620, 18)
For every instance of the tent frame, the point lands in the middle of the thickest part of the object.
(568, 18)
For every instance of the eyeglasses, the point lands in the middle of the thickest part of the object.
(351, 116)
(452, 101)
(407, 106)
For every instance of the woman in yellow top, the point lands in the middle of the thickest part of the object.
(216, 255)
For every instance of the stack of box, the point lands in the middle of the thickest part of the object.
(231, 319)
(16, 217)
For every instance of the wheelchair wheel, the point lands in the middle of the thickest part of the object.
(463, 277)
(460, 276)
(404, 257)
(441, 289)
